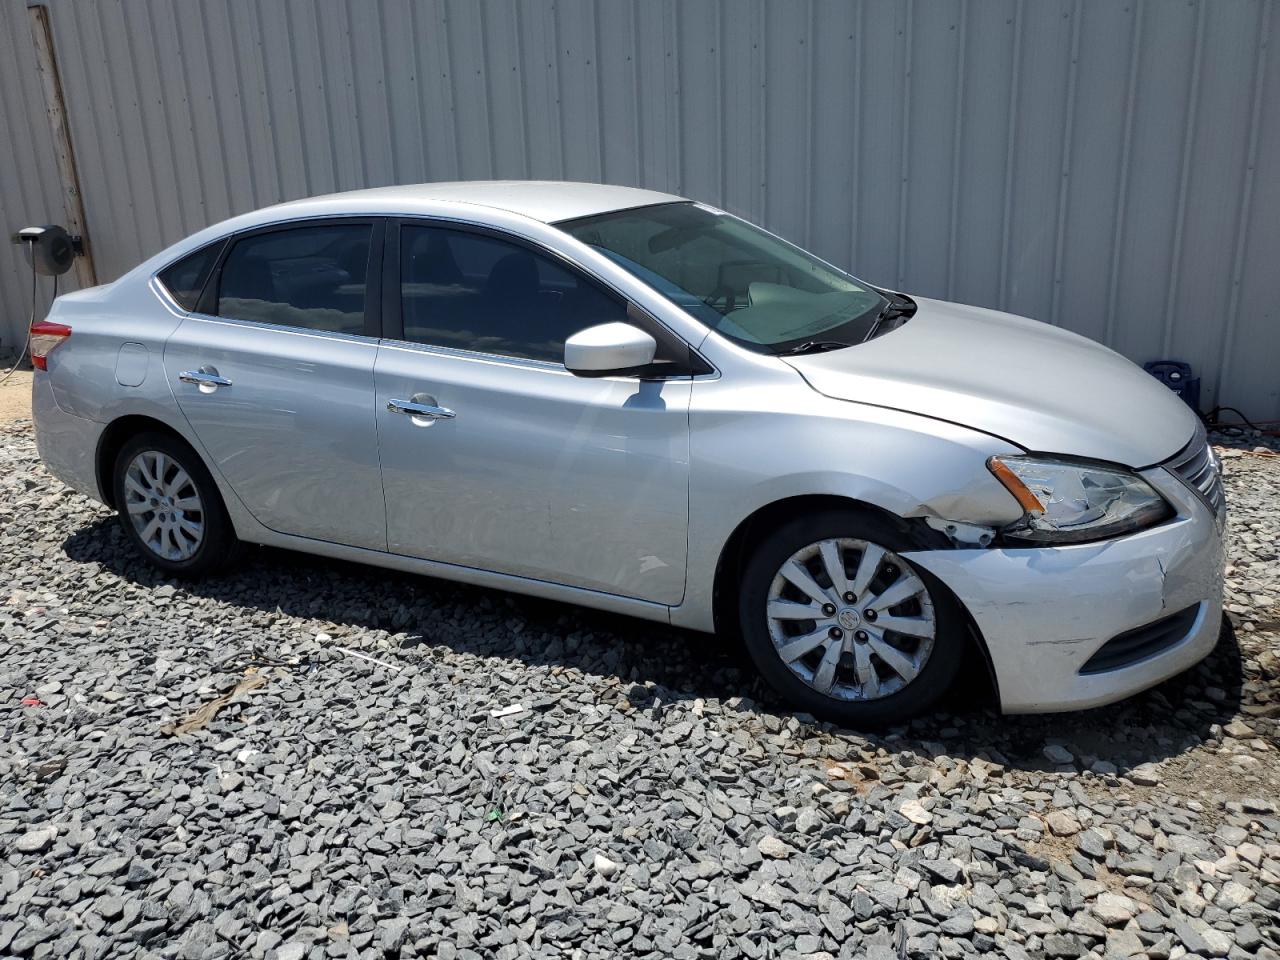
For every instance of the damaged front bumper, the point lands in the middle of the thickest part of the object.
(1044, 612)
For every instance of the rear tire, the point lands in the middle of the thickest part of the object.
(170, 508)
(853, 658)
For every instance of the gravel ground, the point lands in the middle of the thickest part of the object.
(387, 765)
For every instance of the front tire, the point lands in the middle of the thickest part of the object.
(844, 627)
(169, 506)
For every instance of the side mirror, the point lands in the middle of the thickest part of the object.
(608, 349)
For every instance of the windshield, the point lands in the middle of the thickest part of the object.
(737, 279)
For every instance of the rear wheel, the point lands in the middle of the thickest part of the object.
(170, 508)
(843, 626)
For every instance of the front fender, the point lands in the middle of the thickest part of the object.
(804, 444)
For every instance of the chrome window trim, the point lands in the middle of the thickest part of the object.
(164, 296)
(157, 284)
(523, 363)
(474, 356)
(174, 307)
(264, 227)
(358, 338)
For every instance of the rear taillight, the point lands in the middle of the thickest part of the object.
(46, 335)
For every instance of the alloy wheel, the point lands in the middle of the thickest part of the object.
(164, 505)
(851, 619)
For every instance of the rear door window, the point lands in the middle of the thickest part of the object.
(311, 277)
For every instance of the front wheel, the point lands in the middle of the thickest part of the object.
(843, 626)
(170, 507)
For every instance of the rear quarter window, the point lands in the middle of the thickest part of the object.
(185, 279)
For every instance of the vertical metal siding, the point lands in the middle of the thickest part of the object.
(1108, 167)
(29, 191)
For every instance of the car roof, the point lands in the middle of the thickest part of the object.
(546, 200)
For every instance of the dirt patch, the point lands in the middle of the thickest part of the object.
(15, 397)
(1053, 848)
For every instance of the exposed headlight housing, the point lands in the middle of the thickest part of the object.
(1068, 501)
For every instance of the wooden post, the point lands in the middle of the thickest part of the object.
(56, 110)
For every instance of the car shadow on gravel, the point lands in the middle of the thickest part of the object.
(655, 664)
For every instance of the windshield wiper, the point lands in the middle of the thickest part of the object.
(884, 315)
(813, 346)
(897, 306)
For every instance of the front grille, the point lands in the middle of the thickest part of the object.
(1128, 648)
(1197, 466)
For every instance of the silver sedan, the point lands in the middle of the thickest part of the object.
(631, 401)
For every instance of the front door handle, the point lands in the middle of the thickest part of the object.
(420, 409)
(206, 378)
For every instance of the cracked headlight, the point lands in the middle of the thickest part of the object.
(1066, 501)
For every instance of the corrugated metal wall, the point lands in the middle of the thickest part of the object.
(1111, 166)
(29, 191)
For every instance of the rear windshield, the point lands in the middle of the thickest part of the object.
(739, 280)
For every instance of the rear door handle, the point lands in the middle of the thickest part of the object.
(419, 410)
(204, 378)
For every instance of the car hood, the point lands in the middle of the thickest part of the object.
(1042, 388)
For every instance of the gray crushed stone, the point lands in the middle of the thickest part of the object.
(517, 778)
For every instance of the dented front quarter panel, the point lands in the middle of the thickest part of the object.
(1043, 611)
(804, 444)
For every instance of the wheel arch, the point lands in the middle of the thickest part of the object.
(765, 519)
(911, 534)
(113, 439)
